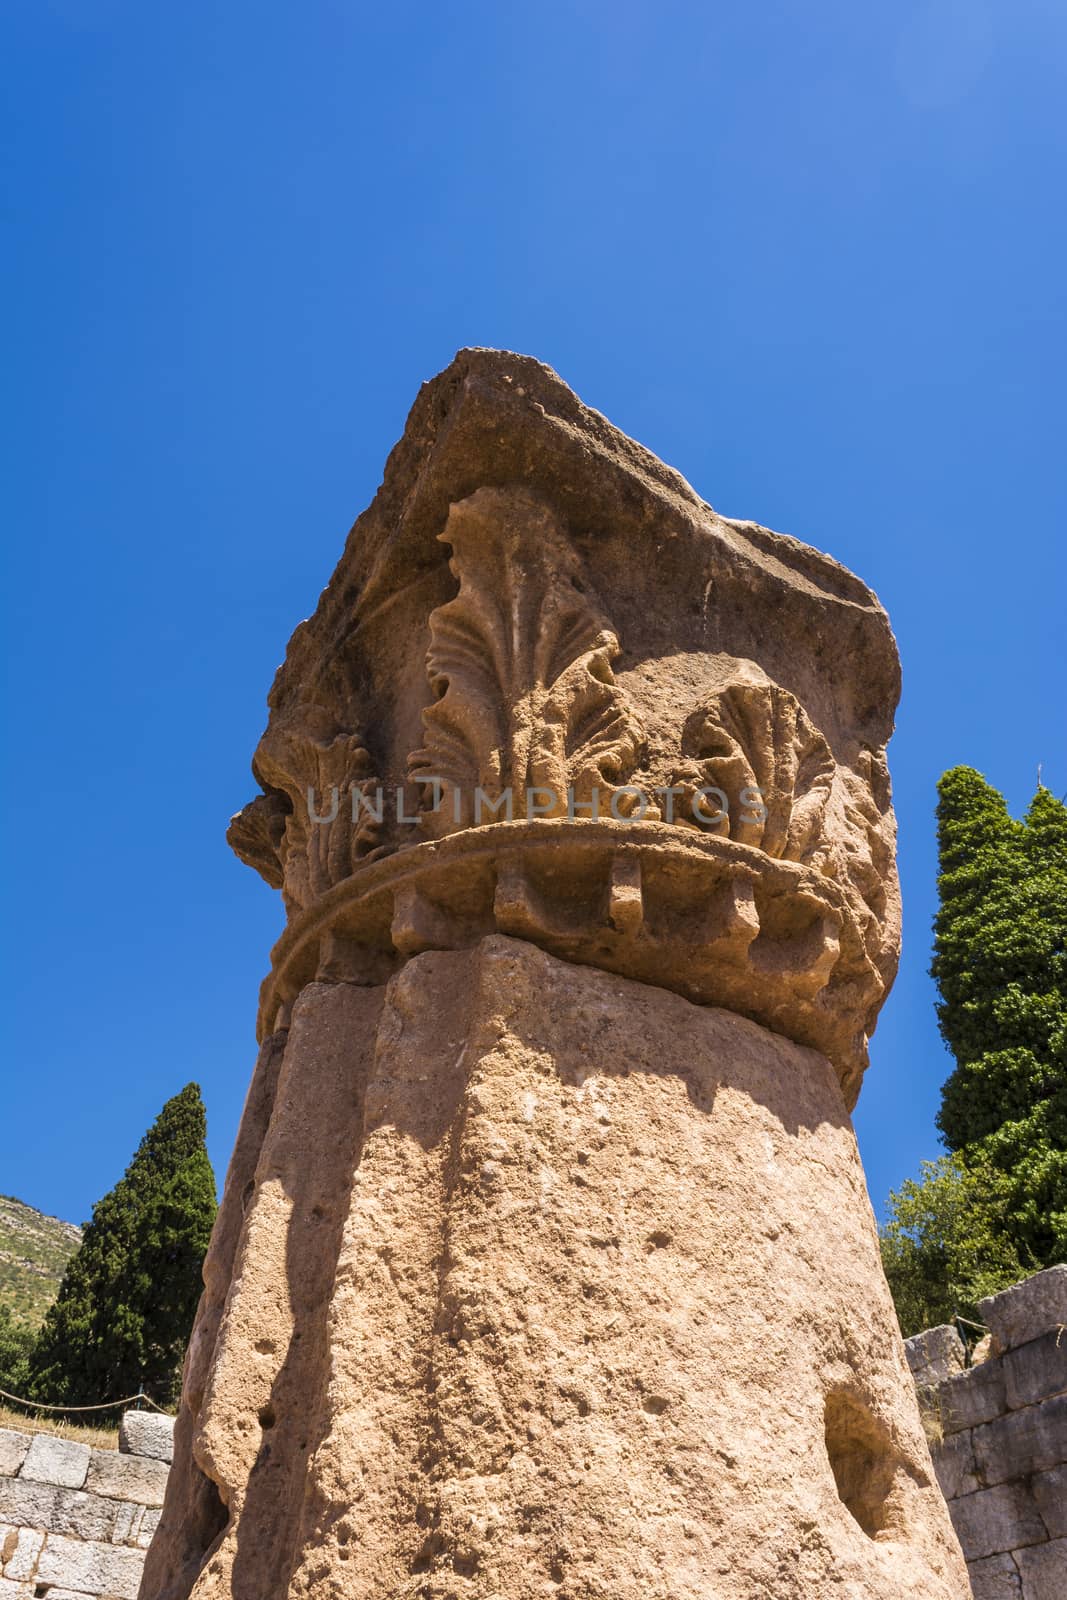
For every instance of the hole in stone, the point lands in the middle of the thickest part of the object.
(265, 1347)
(861, 1459)
(654, 1404)
(659, 1240)
(267, 1418)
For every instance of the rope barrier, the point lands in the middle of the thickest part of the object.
(106, 1405)
(981, 1327)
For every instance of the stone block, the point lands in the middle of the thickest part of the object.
(25, 1504)
(1044, 1571)
(20, 1557)
(10, 1590)
(13, 1448)
(81, 1515)
(58, 1461)
(149, 1524)
(89, 1567)
(1028, 1309)
(995, 1521)
(954, 1464)
(973, 1397)
(935, 1355)
(996, 1578)
(1036, 1370)
(1050, 1493)
(69, 1511)
(147, 1433)
(127, 1522)
(122, 1477)
(1023, 1442)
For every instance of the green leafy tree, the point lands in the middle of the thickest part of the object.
(125, 1308)
(942, 1247)
(997, 1208)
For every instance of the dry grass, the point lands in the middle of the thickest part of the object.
(101, 1438)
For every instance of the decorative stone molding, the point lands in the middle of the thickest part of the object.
(519, 665)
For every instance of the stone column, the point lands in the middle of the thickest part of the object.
(545, 1266)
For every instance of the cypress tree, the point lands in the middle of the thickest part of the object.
(1001, 966)
(125, 1307)
(16, 1341)
(995, 1209)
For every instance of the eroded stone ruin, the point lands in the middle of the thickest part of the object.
(545, 1265)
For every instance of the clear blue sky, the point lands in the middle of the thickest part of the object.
(813, 255)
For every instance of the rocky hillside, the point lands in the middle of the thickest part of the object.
(34, 1250)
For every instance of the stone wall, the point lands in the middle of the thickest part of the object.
(1002, 1463)
(75, 1523)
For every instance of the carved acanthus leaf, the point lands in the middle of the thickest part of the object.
(255, 834)
(520, 667)
(320, 815)
(757, 736)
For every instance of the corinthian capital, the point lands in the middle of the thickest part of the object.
(550, 692)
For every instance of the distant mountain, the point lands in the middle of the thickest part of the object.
(34, 1251)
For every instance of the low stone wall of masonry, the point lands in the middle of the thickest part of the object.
(75, 1522)
(1002, 1462)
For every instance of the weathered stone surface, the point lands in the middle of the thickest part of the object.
(44, 1505)
(1028, 1309)
(122, 1477)
(995, 1579)
(13, 1448)
(127, 1523)
(1036, 1370)
(21, 1553)
(90, 1568)
(553, 1103)
(955, 1465)
(1023, 1442)
(608, 1395)
(1044, 1571)
(147, 1433)
(973, 1397)
(1050, 1495)
(997, 1520)
(147, 1527)
(59, 1461)
(935, 1355)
